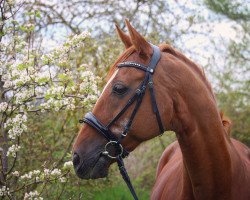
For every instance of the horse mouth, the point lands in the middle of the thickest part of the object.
(94, 168)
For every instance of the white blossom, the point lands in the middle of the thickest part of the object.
(13, 150)
(4, 191)
(59, 53)
(30, 175)
(23, 96)
(55, 90)
(42, 77)
(7, 84)
(6, 77)
(55, 172)
(16, 125)
(3, 106)
(68, 165)
(62, 179)
(33, 195)
(57, 104)
(46, 172)
(15, 173)
(37, 179)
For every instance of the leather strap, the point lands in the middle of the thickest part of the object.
(154, 104)
(155, 58)
(125, 176)
(133, 64)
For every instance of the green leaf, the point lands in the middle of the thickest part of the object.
(38, 14)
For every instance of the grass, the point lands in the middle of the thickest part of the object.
(120, 192)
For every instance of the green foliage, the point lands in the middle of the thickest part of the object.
(119, 193)
(233, 99)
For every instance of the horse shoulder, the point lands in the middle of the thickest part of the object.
(168, 182)
(241, 156)
(241, 170)
(166, 156)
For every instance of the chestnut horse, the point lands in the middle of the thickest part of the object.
(204, 163)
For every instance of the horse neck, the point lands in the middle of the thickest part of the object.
(200, 133)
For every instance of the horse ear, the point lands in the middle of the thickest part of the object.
(141, 45)
(124, 37)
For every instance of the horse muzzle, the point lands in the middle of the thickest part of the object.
(91, 167)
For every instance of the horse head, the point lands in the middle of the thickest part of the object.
(123, 84)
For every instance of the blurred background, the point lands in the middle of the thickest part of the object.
(213, 33)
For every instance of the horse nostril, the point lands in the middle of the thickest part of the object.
(76, 159)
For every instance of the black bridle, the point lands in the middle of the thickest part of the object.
(115, 141)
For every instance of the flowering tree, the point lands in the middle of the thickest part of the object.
(31, 83)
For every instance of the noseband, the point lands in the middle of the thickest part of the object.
(115, 141)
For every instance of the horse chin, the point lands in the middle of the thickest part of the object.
(95, 169)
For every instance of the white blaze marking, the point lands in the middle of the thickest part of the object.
(116, 129)
(109, 81)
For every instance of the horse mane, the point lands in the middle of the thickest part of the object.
(226, 122)
(200, 71)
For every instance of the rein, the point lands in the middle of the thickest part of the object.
(113, 140)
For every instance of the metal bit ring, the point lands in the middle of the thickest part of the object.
(106, 153)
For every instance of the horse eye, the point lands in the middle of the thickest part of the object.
(119, 89)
